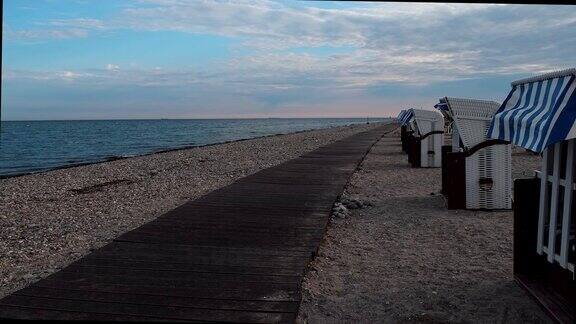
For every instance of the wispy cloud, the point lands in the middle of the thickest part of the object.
(43, 34)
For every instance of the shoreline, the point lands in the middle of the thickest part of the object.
(112, 158)
(139, 119)
(50, 219)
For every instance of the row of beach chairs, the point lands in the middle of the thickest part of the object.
(539, 115)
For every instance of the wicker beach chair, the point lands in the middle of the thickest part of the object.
(426, 147)
(476, 171)
(539, 114)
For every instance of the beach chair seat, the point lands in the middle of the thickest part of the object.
(476, 171)
(539, 114)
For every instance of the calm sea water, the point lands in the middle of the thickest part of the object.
(33, 146)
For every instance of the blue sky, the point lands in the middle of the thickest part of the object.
(83, 59)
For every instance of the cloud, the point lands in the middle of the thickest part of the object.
(42, 35)
(79, 23)
(112, 67)
(461, 39)
(54, 29)
(388, 45)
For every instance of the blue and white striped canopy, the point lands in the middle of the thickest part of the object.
(405, 116)
(442, 106)
(538, 112)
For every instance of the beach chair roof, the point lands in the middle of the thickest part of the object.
(427, 121)
(406, 116)
(400, 115)
(538, 112)
(472, 117)
(428, 115)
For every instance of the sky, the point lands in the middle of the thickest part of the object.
(112, 59)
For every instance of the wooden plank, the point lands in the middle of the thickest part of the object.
(21, 312)
(279, 205)
(199, 250)
(261, 212)
(261, 291)
(554, 203)
(302, 181)
(231, 229)
(203, 250)
(157, 300)
(543, 209)
(219, 239)
(191, 277)
(169, 253)
(251, 221)
(567, 208)
(164, 278)
(128, 263)
(280, 189)
(553, 304)
(167, 312)
(285, 200)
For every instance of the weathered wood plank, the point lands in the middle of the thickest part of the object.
(158, 300)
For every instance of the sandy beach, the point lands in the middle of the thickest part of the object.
(51, 219)
(405, 258)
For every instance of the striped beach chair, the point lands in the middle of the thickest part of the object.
(539, 114)
(476, 171)
(426, 146)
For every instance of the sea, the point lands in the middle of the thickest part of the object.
(38, 146)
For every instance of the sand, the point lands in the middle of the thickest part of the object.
(405, 258)
(51, 219)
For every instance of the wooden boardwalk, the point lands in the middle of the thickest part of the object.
(237, 254)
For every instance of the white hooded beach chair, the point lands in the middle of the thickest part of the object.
(477, 172)
(539, 114)
(426, 149)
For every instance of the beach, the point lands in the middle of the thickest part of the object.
(49, 220)
(396, 254)
(404, 258)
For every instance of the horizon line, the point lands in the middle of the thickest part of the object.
(197, 118)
